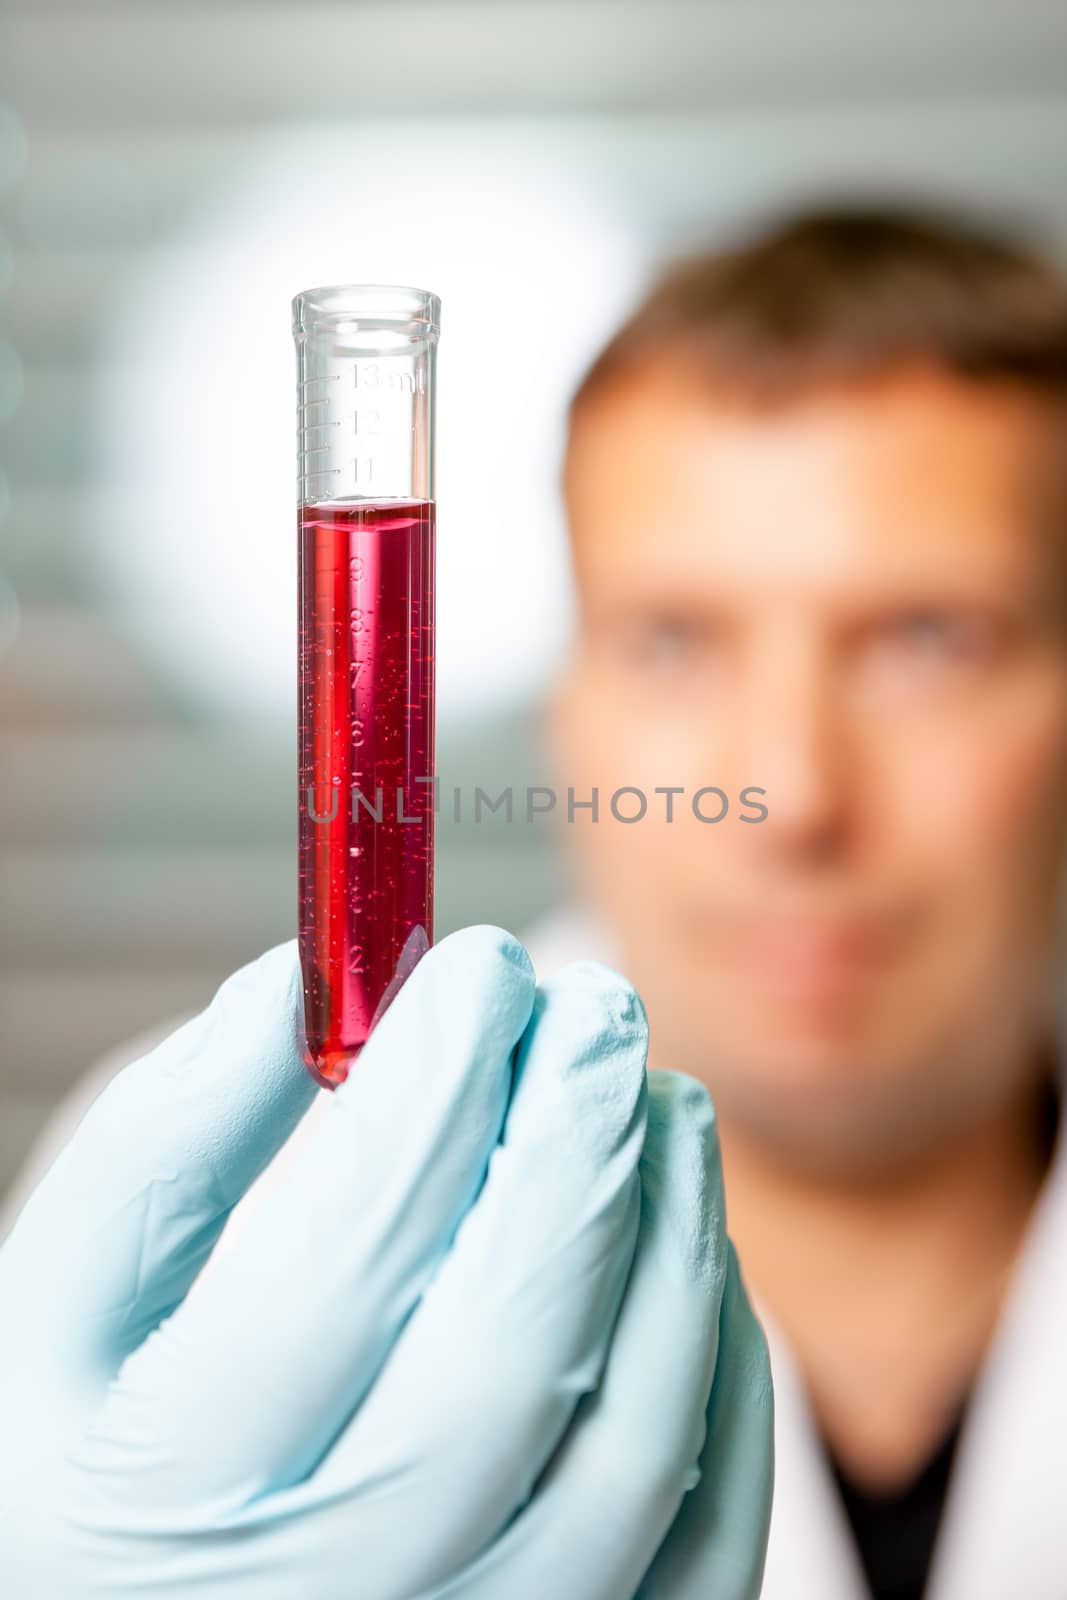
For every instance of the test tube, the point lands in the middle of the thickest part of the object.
(366, 364)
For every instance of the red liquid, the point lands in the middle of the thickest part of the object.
(367, 724)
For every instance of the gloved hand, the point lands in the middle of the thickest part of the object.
(478, 1345)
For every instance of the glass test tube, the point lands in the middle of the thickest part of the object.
(366, 361)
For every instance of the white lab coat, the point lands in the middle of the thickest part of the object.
(1004, 1531)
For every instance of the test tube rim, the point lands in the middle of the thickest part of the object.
(373, 303)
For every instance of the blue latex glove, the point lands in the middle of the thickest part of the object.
(467, 1350)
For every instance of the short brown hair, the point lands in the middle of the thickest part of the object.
(845, 294)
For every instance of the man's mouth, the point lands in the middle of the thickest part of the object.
(802, 952)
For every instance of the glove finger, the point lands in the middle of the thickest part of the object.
(516, 1326)
(118, 1228)
(718, 1543)
(245, 1386)
(609, 1494)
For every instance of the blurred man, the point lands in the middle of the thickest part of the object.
(817, 504)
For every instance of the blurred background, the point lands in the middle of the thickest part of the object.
(171, 174)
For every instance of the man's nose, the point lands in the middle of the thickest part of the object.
(790, 737)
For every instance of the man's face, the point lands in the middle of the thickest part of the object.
(850, 603)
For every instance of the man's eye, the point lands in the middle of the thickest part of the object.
(933, 633)
(663, 641)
